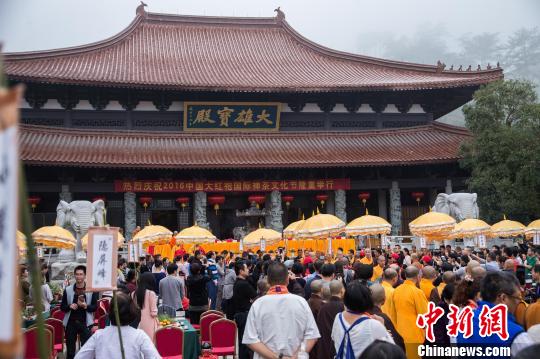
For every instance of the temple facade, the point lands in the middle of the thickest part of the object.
(233, 123)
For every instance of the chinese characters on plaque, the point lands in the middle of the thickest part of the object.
(102, 258)
(233, 186)
(231, 116)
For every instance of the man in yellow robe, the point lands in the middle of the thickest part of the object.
(389, 279)
(409, 302)
(379, 268)
(367, 259)
(448, 277)
(532, 314)
(426, 284)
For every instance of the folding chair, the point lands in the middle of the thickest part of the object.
(170, 342)
(223, 333)
(205, 325)
(31, 343)
(58, 339)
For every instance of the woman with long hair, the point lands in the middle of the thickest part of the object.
(146, 299)
(105, 342)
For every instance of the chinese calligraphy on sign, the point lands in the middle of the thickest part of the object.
(231, 116)
(9, 161)
(491, 321)
(102, 258)
(326, 184)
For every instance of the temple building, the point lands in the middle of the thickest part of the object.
(231, 122)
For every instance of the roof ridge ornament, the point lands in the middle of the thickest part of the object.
(280, 15)
(140, 9)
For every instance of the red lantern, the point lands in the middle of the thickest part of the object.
(418, 196)
(145, 201)
(364, 196)
(216, 201)
(322, 198)
(287, 199)
(182, 201)
(34, 201)
(97, 198)
(258, 199)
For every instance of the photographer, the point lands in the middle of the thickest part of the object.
(78, 306)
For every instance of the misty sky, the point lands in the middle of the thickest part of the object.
(341, 24)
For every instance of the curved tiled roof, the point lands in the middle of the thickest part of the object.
(227, 54)
(81, 148)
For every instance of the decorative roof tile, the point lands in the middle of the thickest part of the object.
(434, 143)
(227, 54)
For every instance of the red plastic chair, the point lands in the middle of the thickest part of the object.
(58, 340)
(58, 315)
(31, 343)
(205, 325)
(223, 333)
(170, 342)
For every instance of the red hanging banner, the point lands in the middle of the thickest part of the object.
(232, 186)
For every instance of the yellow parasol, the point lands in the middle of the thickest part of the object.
(270, 237)
(507, 228)
(54, 236)
(84, 240)
(151, 234)
(470, 228)
(368, 225)
(432, 226)
(321, 226)
(21, 241)
(290, 231)
(195, 235)
(532, 229)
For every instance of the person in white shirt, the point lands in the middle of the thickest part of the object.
(280, 324)
(355, 329)
(106, 344)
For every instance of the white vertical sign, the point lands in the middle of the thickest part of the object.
(263, 245)
(241, 246)
(536, 239)
(132, 252)
(9, 166)
(481, 240)
(330, 250)
(422, 242)
(140, 249)
(102, 258)
(39, 251)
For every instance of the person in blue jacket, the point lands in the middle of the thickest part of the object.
(498, 288)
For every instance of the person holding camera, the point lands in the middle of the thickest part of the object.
(79, 307)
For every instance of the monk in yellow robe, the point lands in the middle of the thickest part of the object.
(409, 302)
(389, 279)
(448, 277)
(368, 259)
(426, 284)
(379, 268)
(532, 314)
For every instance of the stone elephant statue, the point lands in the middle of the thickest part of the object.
(458, 205)
(239, 233)
(77, 217)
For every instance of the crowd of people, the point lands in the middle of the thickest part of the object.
(360, 304)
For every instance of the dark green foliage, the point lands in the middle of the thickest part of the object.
(504, 153)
